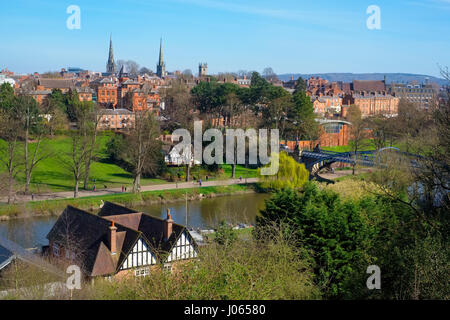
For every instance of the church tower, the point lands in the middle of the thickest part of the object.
(161, 66)
(202, 70)
(110, 66)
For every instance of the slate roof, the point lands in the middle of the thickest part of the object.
(6, 257)
(91, 233)
(119, 111)
(368, 85)
(56, 83)
(151, 227)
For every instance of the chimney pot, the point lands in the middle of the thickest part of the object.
(112, 238)
(168, 223)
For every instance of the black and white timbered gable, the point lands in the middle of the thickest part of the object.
(184, 248)
(139, 256)
(119, 238)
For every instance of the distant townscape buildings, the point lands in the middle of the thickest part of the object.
(333, 99)
(422, 94)
(121, 93)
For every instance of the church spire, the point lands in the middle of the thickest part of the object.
(161, 67)
(161, 60)
(110, 66)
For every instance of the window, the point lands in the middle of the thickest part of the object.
(142, 272)
(167, 267)
(55, 250)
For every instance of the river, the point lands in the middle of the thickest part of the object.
(206, 213)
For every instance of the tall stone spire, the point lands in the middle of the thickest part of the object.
(161, 66)
(110, 66)
(161, 60)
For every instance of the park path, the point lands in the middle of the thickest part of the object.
(160, 187)
(111, 191)
(342, 173)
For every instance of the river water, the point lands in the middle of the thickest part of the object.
(206, 213)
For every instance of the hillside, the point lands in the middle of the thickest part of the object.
(349, 77)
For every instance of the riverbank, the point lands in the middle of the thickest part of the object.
(92, 203)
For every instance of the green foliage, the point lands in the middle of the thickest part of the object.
(291, 174)
(332, 229)
(225, 234)
(345, 236)
(303, 117)
(245, 270)
(300, 85)
(6, 96)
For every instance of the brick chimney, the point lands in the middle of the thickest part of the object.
(112, 238)
(168, 226)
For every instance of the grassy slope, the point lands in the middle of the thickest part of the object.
(49, 207)
(369, 146)
(52, 175)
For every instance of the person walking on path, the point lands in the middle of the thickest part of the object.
(123, 188)
(200, 182)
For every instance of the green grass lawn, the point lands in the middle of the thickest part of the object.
(368, 145)
(241, 171)
(51, 174)
(244, 234)
(223, 174)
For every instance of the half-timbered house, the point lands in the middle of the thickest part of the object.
(119, 241)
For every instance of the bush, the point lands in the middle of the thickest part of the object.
(245, 270)
(291, 174)
(331, 229)
(225, 234)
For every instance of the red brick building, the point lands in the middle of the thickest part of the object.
(372, 103)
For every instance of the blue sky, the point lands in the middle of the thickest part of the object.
(291, 36)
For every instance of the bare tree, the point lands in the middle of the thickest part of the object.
(81, 149)
(132, 67)
(9, 151)
(142, 150)
(269, 74)
(179, 109)
(27, 111)
(382, 130)
(358, 132)
(410, 122)
(180, 113)
(92, 119)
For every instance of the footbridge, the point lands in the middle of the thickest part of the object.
(317, 159)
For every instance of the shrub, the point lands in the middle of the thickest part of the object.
(291, 174)
(225, 234)
(330, 228)
(245, 270)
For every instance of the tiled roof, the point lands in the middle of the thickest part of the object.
(6, 257)
(115, 111)
(151, 227)
(56, 83)
(91, 233)
(368, 85)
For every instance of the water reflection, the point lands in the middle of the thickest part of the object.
(203, 214)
